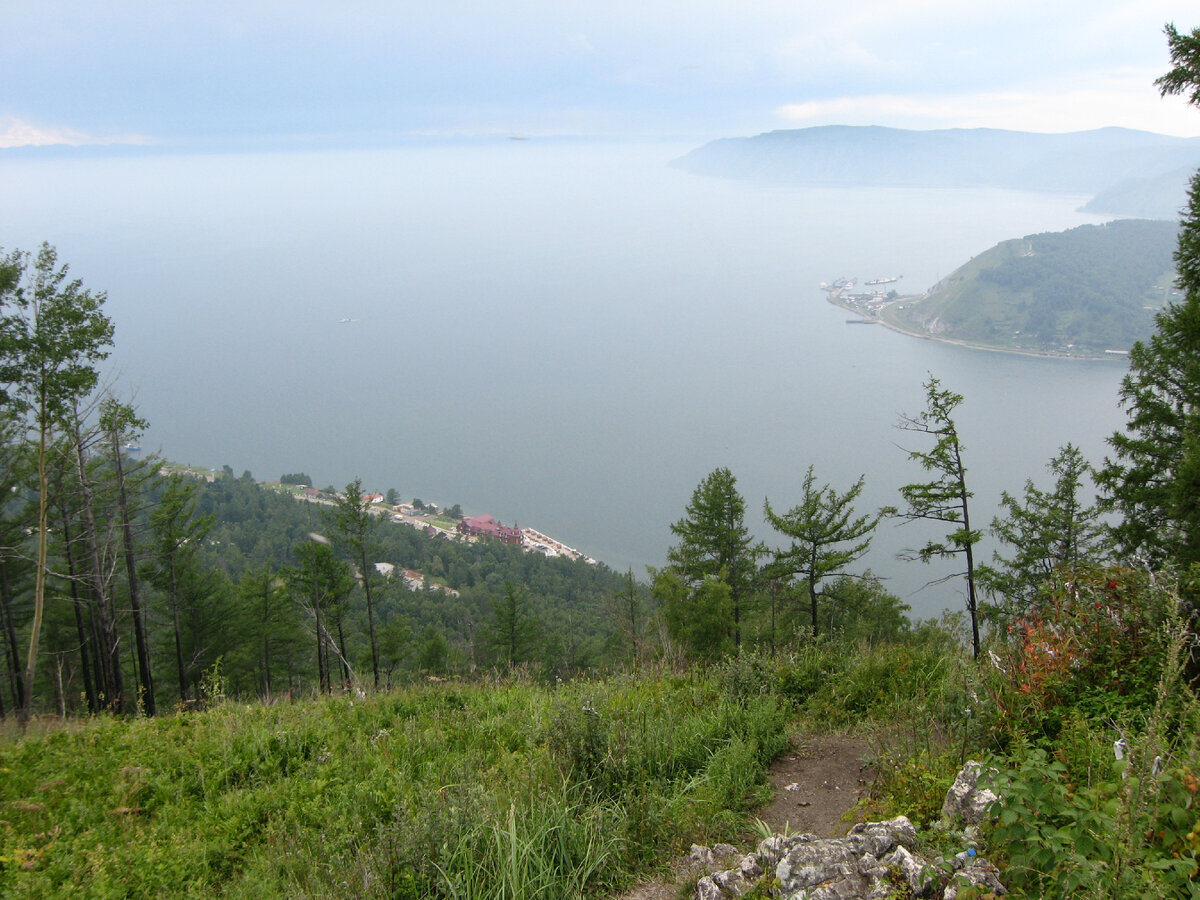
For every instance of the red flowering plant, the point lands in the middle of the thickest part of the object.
(1101, 747)
(1094, 644)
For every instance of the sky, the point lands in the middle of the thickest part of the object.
(214, 74)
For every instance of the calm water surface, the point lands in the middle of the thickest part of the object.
(566, 336)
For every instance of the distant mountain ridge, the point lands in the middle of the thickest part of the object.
(1124, 163)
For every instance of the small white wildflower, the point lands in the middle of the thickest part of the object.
(380, 735)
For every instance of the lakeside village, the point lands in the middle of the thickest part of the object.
(867, 303)
(436, 524)
(428, 518)
(871, 304)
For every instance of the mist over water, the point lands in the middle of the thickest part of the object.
(566, 336)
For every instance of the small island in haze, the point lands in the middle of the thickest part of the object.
(1089, 292)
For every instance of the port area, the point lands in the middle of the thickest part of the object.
(867, 303)
(877, 307)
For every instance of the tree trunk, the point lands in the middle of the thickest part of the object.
(812, 590)
(60, 699)
(12, 648)
(972, 606)
(322, 668)
(104, 614)
(370, 621)
(342, 649)
(89, 689)
(174, 592)
(139, 625)
(39, 588)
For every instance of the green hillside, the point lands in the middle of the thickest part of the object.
(1080, 292)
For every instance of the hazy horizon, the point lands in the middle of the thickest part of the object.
(567, 337)
(558, 329)
(134, 72)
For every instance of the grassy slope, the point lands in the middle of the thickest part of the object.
(452, 790)
(1079, 292)
(518, 791)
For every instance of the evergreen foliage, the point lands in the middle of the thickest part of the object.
(356, 525)
(1153, 479)
(1045, 531)
(53, 333)
(714, 543)
(819, 525)
(945, 498)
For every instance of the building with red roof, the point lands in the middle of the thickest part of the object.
(486, 526)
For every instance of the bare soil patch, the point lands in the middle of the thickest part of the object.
(815, 786)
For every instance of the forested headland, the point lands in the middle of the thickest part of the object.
(211, 689)
(1081, 292)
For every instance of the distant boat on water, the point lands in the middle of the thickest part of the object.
(874, 281)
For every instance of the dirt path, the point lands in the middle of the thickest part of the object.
(817, 782)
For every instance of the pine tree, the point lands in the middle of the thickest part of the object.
(1153, 478)
(945, 498)
(354, 525)
(512, 631)
(715, 543)
(177, 534)
(1046, 530)
(52, 335)
(826, 536)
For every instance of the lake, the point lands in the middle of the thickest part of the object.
(563, 335)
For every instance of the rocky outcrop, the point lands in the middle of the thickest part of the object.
(967, 801)
(875, 860)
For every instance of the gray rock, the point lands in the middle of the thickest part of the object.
(967, 800)
(750, 867)
(980, 873)
(731, 882)
(874, 861)
(877, 838)
(812, 864)
(913, 869)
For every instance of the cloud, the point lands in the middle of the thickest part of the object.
(579, 43)
(1067, 109)
(18, 133)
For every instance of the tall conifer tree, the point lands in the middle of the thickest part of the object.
(715, 543)
(1153, 479)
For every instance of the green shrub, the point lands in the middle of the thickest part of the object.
(1105, 806)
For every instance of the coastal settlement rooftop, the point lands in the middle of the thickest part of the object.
(486, 526)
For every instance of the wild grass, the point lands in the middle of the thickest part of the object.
(454, 791)
(514, 790)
